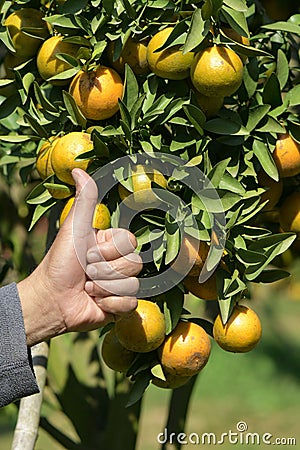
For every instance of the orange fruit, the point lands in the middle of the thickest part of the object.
(193, 253)
(235, 36)
(115, 356)
(66, 150)
(143, 329)
(274, 191)
(241, 333)
(142, 195)
(209, 105)
(217, 71)
(97, 92)
(47, 62)
(170, 63)
(101, 219)
(287, 156)
(11, 61)
(171, 381)
(289, 213)
(25, 45)
(185, 350)
(134, 53)
(43, 160)
(206, 291)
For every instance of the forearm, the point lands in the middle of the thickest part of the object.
(16, 374)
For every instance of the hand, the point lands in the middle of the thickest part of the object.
(58, 297)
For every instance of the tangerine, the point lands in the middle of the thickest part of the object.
(134, 53)
(217, 71)
(185, 351)
(143, 329)
(170, 63)
(289, 213)
(115, 356)
(241, 333)
(207, 290)
(65, 152)
(274, 192)
(101, 219)
(287, 156)
(97, 92)
(49, 64)
(191, 256)
(26, 45)
(142, 195)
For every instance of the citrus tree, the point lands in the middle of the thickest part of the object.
(186, 113)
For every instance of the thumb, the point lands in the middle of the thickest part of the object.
(82, 212)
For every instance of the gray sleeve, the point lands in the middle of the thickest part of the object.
(16, 373)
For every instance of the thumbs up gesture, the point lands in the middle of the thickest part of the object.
(86, 279)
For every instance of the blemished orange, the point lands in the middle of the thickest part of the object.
(171, 381)
(206, 291)
(97, 92)
(143, 329)
(289, 213)
(66, 150)
(101, 219)
(185, 350)
(115, 356)
(274, 190)
(170, 63)
(142, 196)
(217, 71)
(49, 64)
(241, 333)
(192, 254)
(287, 156)
(134, 53)
(25, 45)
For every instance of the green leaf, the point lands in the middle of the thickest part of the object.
(125, 114)
(226, 306)
(282, 69)
(195, 116)
(140, 385)
(42, 99)
(9, 105)
(176, 37)
(39, 129)
(218, 171)
(196, 33)
(236, 19)
(40, 210)
(294, 130)
(272, 93)
(287, 27)
(131, 88)
(293, 96)
(272, 246)
(238, 5)
(255, 115)
(263, 154)
(271, 275)
(173, 305)
(66, 74)
(172, 245)
(75, 114)
(225, 127)
(271, 126)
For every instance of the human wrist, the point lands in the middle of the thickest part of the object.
(41, 320)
